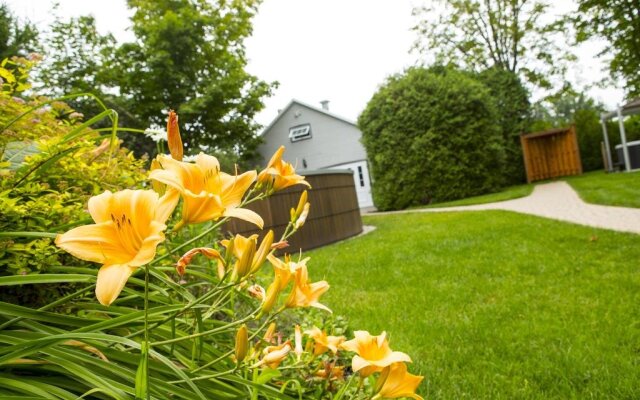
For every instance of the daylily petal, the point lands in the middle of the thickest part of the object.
(167, 204)
(111, 280)
(98, 243)
(147, 251)
(246, 215)
(99, 207)
(234, 187)
(169, 178)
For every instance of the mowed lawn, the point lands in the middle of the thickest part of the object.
(614, 189)
(495, 305)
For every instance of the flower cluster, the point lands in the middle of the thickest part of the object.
(130, 224)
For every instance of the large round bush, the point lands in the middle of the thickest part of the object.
(431, 135)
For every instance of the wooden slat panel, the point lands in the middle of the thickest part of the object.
(334, 213)
(551, 154)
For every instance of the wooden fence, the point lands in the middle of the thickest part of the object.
(551, 154)
(334, 213)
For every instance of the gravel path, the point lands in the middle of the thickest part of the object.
(558, 200)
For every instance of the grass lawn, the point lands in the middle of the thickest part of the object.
(509, 193)
(495, 305)
(615, 189)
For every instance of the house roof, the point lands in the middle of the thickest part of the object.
(300, 103)
(632, 107)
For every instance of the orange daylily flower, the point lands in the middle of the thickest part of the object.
(373, 353)
(280, 174)
(274, 355)
(208, 194)
(128, 226)
(324, 342)
(305, 294)
(397, 382)
(173, 136)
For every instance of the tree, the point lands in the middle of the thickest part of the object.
(189, 56)
(619, 23)
(76, 61)
(16, 38)
(431, 136)
(513, 117)
(503, 34)
(568, 107)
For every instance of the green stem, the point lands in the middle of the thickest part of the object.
(211, 331)
(146, 321)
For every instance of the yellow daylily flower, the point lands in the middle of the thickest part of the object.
(280, 174)
(173, 136)
(304, 293)
(128, 226)
(397, 382)
(208, 194)
(373, 353)
(323, 342)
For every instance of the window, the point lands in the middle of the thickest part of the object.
(300, 132)
(360, 176)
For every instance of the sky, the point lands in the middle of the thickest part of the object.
(336, 50)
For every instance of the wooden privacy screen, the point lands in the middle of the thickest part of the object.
(334, 213)
(551, 154)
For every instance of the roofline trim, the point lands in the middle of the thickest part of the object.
(303, 104)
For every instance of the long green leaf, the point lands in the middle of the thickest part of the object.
(43, 278)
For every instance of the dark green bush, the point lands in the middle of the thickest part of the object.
(512, 101)
(431, 135)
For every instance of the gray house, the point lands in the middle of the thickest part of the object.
(318, 139)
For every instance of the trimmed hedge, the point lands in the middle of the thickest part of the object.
(431, 135)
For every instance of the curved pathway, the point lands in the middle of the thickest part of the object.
(558, 200)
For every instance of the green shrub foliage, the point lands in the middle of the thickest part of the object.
(431, 135)
(46, 181)
(512, 101)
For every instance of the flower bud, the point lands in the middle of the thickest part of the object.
(262, 252)
(242, 343)
(298, 342)
(257, 292)
(303, 216)
(243, 265)
(268, 334)
(173, 136)
(301, 203)
(272, 296)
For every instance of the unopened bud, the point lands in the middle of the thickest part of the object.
(269, 333)
(303, 216)
(243, 265)
(301, 203)
(272, 296)
(173, 136)
(242, 344)
(257, 292)
(262, 252)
